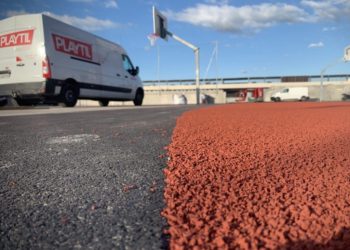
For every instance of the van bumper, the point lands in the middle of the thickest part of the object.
(32, 90)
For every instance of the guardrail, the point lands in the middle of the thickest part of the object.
(239, 80)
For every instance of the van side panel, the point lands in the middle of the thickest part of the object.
(113, 73)
(93, 63)
(72, 53)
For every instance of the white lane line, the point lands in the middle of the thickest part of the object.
(69, 139)
(6, 164)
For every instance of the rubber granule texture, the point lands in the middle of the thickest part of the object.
(260, 176)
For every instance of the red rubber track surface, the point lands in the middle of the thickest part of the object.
(260, 176)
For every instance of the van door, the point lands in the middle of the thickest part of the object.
(29, 57)
(285, 94)
(7, 53)
(129, 74)
(114, 79)
(21, 50)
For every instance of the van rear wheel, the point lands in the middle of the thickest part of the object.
(103, 103)
(69, 96)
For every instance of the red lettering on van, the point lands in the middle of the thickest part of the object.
(72, 47)
(24, 37)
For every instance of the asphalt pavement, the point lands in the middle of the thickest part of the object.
(84, 180)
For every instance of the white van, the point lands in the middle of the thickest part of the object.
(43, 59)
(297, 93)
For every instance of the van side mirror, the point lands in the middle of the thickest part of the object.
(136, 71)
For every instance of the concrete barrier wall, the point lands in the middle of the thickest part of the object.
(164, 95)
(88, 103)
(167, 97)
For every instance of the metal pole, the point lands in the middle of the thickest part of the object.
(158, 64)
(321, 86)
(216, 61)
(216, 65)
(196, 53)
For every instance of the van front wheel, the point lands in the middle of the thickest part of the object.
(69, 96)
(304, 98)
(103, 103)
(138, 98)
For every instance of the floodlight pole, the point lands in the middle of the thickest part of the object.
(196, 54)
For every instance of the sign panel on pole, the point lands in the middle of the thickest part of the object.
(160, 24)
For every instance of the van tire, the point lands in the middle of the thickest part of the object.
(3, 102)
(138, 97)
(69, 96)
(277, 99)
(304, 98)
(103, 103)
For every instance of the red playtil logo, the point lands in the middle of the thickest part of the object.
(72, 47)
(24, 37)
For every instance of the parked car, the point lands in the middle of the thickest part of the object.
(295, 93)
